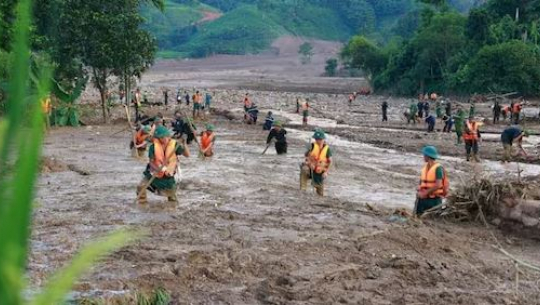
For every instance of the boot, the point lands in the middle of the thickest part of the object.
(468, 157)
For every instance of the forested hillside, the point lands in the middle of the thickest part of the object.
(249, 26)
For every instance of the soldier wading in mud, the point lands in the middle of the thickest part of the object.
(159, 173)
(317, 164)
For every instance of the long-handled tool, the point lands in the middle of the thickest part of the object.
(266, 148)
(145, 187)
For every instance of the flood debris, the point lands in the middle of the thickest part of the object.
(492, 199)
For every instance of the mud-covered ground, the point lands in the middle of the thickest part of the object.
(243, 232)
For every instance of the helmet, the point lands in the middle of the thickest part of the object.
(430, 151)
(161, 132)
(319, 135)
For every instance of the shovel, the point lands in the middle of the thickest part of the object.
(267, 146)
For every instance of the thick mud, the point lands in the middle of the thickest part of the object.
(243, 232)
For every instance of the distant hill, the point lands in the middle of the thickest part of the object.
(191, 28)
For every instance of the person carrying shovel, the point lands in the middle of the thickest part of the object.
(159, 174)
(513, 134)
(280, 135)
(317, 164)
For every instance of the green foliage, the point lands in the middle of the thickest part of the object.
(66, 110)
(506, 67)
(363, 54)
(331, 67)
(244, 30)
(306, 52)
(20, 142)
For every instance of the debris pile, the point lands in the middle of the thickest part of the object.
(487, 199)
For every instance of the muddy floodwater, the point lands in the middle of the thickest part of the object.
(243, 232)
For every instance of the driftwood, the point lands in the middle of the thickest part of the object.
(488, 199)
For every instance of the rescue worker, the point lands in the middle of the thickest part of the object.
(166, 96)
(178, 125)
(516, 111)
(297, 105)
(413, 110)
(430, 120)
(438, 110)
(207, 102)
(433, 184)
(140, 141)
(506, 110)
(448, 108)
(136, 101)
(317, 164)
(278, 133)
(197, 104)
(384, 108)
(420, 107)
(186, 97)
(268, 121)
(251, 115)
(448, 123)
(305, 112)
(247, 102)
(426, 108)
(189, 129)
(472, 109)
(351, 99)
(162, 166)
(471, 137)
(513, 134)
(178, 96)
(459, 123)
(208, 138)
(496, 112)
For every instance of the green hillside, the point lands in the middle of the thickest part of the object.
(250, 26)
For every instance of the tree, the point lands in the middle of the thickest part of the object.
(106, 37)
(306, 52)
(507, 67)
(331, 66)
(361, 53)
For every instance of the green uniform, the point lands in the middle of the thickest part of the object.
(413, 110)
(438, 110)
(428, 203)
(471, 110)
(459, 123)
(165, 183)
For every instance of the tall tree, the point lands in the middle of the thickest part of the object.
(106, 37)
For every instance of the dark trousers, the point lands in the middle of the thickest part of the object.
(471, 146)
(281, 148)
(496, 118)
(515, 117)
(447, 127)
(384, 116)
(431, 127)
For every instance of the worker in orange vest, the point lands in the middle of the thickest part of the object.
(159, 174)
(317, 164)
(208, 138)
(516, 110)
(505, 111)
(472, 137)
(433, 186)
(247, 102)
(140, 141)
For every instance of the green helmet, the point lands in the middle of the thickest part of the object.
(430, 151)
(146, 129)
(210, 127)
(278, 124)
(319, 135)
(526, 133)
(161, 132)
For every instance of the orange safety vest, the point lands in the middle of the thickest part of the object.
(206, 139)
(318, 158)
(506, 108)
(247, 103)
(517, 108)
(165, 157)
(140, 137)
(428, 180)
(471, 132)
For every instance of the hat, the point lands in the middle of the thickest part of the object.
(210, 127)
(146, 129)
(526, 133)
(430, 151)
(319, 135)
(161, 132)
(278, 124)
